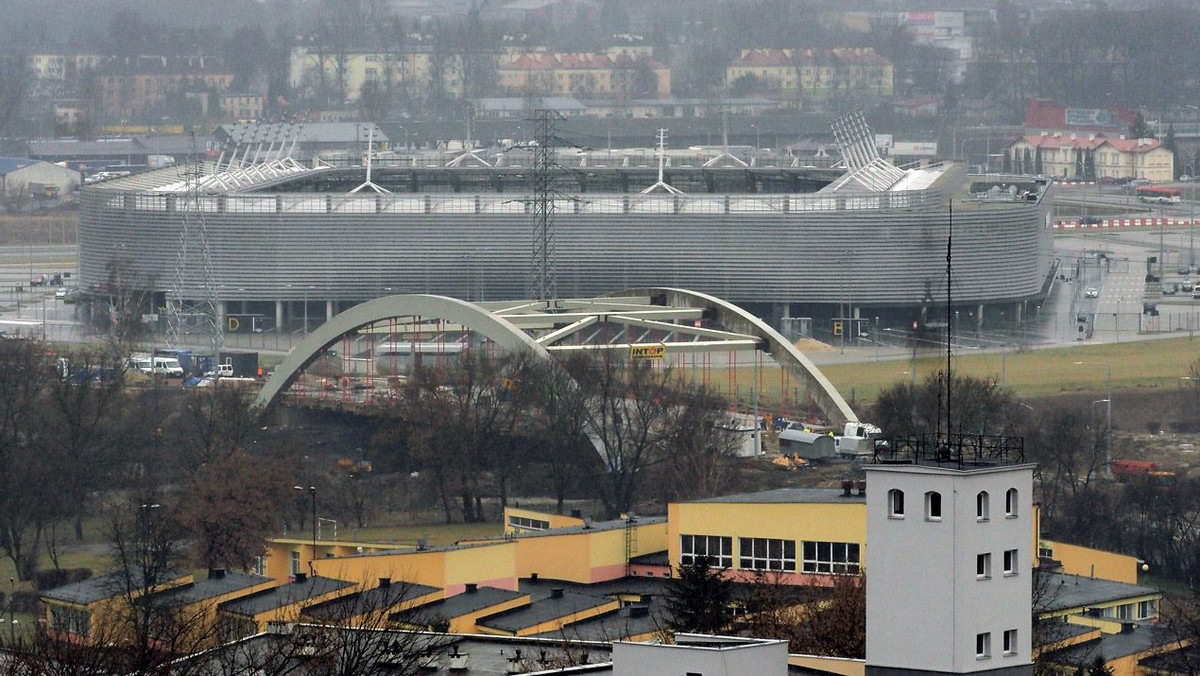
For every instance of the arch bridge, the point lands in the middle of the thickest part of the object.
(653, 322)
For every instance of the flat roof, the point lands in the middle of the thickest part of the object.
(372, 600)
(209, 588)
(544, 610)
(459, 604)
(284, 595)
(1064, 591)
(105, 586)
(790, 496)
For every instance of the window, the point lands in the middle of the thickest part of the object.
(1010, 562)
(981, 506)
(1125, 612)
(295, 562)
(718, 548)
(1010, 503)
(1010, 641)
(70, 620)
(983, 566)
(1147, 609)
(839, 558)
(933, 506)
(527, 523)
(896, 503)
(766, 554)
(259, 566)
(983, 646)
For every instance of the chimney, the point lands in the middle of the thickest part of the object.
(301, 578)
(472, 587)
(533, 577)
(385, 582)
(587, 523)
(861, 486)
(847, 485)
(216, 573)
(556, 592)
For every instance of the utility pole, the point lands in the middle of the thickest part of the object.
(544, 282)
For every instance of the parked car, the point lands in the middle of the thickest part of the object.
(1092, 292)
(1186, 285)
(1170, 289)
(37, 280)
(1185, 179)
(60, 294)
(1138, 182)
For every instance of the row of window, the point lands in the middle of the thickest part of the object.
(839, 558)
(933, 505)
(983, 564)
(983, 644)
(527, 523)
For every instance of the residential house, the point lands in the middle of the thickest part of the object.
(1091, 156)
(811, 74)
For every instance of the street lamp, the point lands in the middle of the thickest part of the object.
(12, 624)
(757, 136)
(312, 493)
(1108, 414)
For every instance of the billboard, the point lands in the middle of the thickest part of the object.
(915, 148)
(1091, 117)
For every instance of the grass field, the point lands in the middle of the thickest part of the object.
(1155, 364)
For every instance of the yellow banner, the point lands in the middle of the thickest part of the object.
(648, 351)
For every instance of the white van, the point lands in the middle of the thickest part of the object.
(167, 366)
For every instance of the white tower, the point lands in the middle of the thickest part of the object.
(949, 562)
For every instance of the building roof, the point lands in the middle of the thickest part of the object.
(805, 57)
(308, 132)
(105, 586)
(1091, 142)
(1115, 646)
(488, 654)
(544, 610)
(500, 104)
(662, 558)
(209, 588)
(790, 496)
(372, 600)
(1064, 591)
(11, 164)
(460, 604)
(284, 595)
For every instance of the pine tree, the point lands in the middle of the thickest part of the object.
(699, 598)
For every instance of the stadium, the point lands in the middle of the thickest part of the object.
(286, 242)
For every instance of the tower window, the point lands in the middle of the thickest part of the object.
(983, 566)
(1010, 503)
(896, 503)
(933, 506)
(983, 646)
(982, 508)
(1010, 562)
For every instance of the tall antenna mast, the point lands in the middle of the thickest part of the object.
(949, 325)
(662, 159)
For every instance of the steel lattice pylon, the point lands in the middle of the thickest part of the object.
(544, 282)
(203, 306)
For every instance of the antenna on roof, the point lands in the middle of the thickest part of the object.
(725, 154)
(662, 158)
(368, 183)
